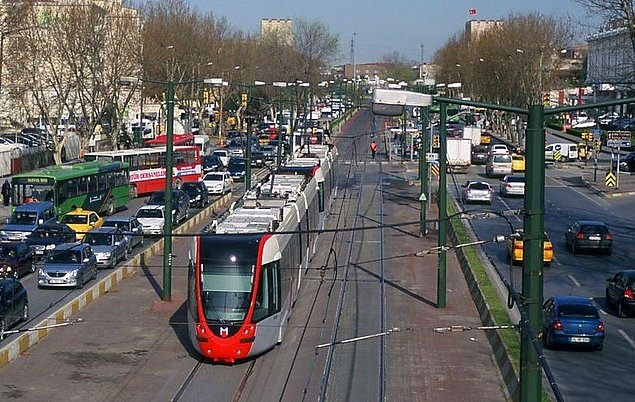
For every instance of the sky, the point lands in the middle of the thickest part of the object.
(384, 27)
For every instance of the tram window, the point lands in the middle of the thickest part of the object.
(268, 298)
(321, 196)
(191, 300)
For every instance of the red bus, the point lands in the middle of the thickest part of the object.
(177, 139)
(147, 166)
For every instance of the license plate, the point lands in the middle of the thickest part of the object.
(578, 339)
(595, 238)
(39, 251)
(56, 281)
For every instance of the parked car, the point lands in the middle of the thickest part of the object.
(71, 264)
(627, 163)
(108, 244)
(498, 165)
(237, 169)
(620, 292)
(81, 221)
(180, 203)
(47, 237)
(197, 193)
(512, 185)
(131, 228)
(16, 259)
(14, 304)
(572, 320)
(479, 154)
(589, 235)
(477, 191)
(152, 219)
(515, 246)
(518, 163)
(218, 182)
(26, 218)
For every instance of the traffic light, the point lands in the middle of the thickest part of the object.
(545, 99)
(205, 97)
(243, 101)
(435, 141)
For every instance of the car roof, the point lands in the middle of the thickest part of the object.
(35, 206)
(123, 218)
(103, 230)
(591, 223)
(581, 300)
(80, 211)
(54, 226)
(69, 246)
(155, 206)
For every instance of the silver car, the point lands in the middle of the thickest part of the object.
(477, 191)
(512, 185)
(71, 264)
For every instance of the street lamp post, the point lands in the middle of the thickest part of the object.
(280, 86)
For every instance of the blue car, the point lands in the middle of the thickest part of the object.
(70, 265)
(26, 218)
(572, 320)
(109, 245)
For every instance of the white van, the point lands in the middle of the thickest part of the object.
(568, 151)
(203, 143)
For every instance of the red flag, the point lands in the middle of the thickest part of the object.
(472, 11)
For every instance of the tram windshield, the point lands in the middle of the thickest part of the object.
(226, 291)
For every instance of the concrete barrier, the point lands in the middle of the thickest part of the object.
(25, 340)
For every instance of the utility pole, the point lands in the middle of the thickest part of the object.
(421, 64)
(423, 171)
(534, 224)
(167, 227)
(443, 207)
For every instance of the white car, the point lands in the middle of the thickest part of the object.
(152, 219)
(477, 191)
(512, 185)
(218, 182)
(498, 149)
(223, 155)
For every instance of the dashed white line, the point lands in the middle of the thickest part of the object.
(575, 282)
(579, 192)
(509, 208)
(628, 338)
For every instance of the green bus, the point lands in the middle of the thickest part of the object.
(96, 186)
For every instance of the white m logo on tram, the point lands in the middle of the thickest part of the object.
(224, 331)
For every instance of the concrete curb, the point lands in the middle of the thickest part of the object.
(501, 353)
(27, 339)
(605, 194)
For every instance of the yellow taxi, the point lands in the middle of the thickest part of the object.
(263, 139)
(81, 221)
(515, 248)
(518, 163)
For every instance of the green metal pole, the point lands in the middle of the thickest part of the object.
(248, 146)
(443, 208)
(534, 226)
(423, 171)
(167, 227)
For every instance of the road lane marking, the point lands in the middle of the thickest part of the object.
(599, 204)
(574, 280)
(628, 338)
(509, 208)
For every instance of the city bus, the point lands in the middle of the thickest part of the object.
(95, 186)
(147, 166)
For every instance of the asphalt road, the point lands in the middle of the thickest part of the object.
(580, 374)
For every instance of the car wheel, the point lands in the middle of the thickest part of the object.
(574, 249)
(111, 208)
(33, 268)
(125, 255)
(25, 311)
(620, 310)
(94, 276)
(3, 327)
(607, 299)
(80, 282)
(546, 342)
(609, 251)
(600, 346)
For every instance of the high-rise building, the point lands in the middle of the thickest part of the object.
(473, 28)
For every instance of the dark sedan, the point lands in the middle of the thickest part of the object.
(199, 197)
(237, 168)
(620, 292)
(45, 238)
(627, 163)
(479, 154)
(16, 259)
(589, 235)
(14, 304)
(572, 320)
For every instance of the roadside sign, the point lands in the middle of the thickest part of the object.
(610, 180)
(423, 197)
(618, 139)
(432, 156)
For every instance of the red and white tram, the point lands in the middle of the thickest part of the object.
(246, 269)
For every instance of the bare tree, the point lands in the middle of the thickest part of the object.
(614, 11)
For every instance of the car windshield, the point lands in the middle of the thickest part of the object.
(23, 218)
(98, 239)
(578, 310)
(518, 158)
(502, 159)
(157, 198)
(75, 219)
(149, 213)
(480, 148)
(226, 292)
(190, 188)
(213, 177)
(48, 234)
(7, 253)
(478, 186)
(117, 224)
(65, 257)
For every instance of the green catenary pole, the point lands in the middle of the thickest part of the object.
(443, 211)
(248, 146)
(534, 226)
(167, 227)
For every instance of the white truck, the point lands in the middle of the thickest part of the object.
(473, 134)
(459, 154)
